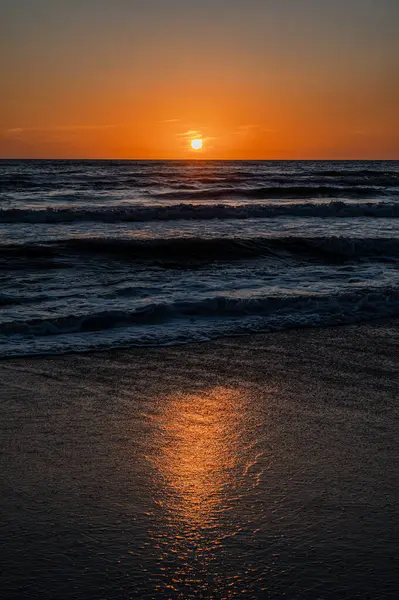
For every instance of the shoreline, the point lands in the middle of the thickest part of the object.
(255, 467)
(244, 337)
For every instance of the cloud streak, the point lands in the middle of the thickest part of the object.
(21, 130)
(251, 129)
(191, 133)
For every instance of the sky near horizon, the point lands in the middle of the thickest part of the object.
(255, 79)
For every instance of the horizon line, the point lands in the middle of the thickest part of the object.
(195, 159)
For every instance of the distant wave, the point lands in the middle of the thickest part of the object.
(182, 211)
(47, 184)
(181, 250)
(374, 173)
(282, 310)
(279, 192)
(260, 186)
(113, 177)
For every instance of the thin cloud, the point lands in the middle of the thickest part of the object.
(20, 130)
(170, 121)
(190, 133)
(251, 128)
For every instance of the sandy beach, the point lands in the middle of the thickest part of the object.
(256, 467)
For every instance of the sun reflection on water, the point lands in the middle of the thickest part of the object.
(201, 459)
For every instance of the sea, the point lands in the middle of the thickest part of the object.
(108, 254)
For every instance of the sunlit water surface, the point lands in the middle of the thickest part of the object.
(208, 491)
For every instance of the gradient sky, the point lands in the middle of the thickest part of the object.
(255, 78)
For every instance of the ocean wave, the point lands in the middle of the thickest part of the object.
(7, 300)
(115, 176)
(262, 187)
(278, 193)
(374, 173)
(181, 250)
(182, 211)
(307, 309)
(10, 300)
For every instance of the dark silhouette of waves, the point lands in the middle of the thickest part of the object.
(189, 211)
(291, 192)
(181, 250)
(278, 312)
(305, 179)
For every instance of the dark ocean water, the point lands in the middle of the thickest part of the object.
(101, 254)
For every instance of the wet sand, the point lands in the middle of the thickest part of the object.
(257, 467)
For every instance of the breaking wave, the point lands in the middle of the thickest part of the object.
(213, 249)
(143, 213)
(277, 311)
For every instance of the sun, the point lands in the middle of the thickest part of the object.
(197, 144)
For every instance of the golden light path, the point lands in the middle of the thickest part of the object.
(205, 459)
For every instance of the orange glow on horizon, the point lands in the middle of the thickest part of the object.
(304, 129)
(146, 86)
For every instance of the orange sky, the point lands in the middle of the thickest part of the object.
(304, 79)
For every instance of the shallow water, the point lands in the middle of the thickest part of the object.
(260, 470)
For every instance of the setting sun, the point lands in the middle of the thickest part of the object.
(196, 144)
